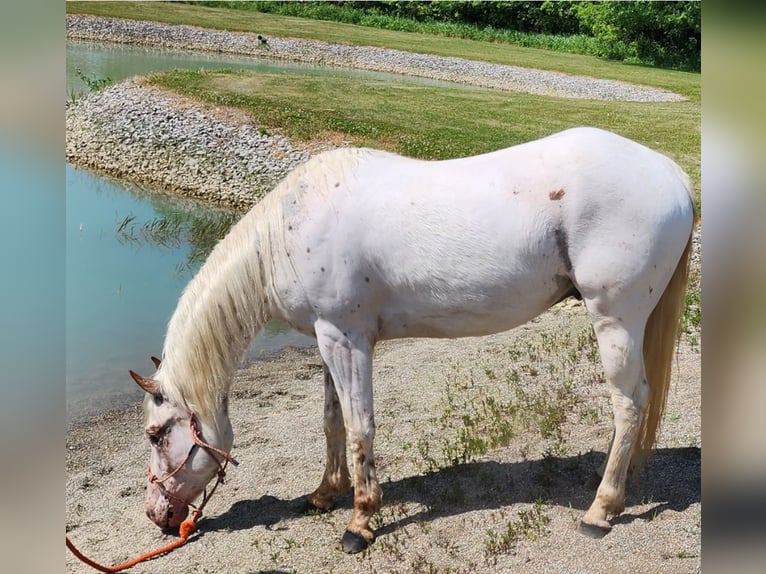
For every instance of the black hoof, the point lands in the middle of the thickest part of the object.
(306, 507)
(592, 530)
(353, 543)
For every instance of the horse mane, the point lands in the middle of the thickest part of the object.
(227, 302)
(220, 311)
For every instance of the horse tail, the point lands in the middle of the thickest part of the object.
(661, 336)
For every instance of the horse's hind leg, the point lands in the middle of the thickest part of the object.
(621, 348)
(349, 359)
(336, 479)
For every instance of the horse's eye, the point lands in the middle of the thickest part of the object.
(158, 399)
(155, 435)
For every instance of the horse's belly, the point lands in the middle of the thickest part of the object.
(465, 314)
(452, 325)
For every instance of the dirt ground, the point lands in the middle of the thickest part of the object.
(448, 505)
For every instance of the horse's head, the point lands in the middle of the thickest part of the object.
(185, 454)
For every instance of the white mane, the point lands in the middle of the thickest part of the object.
(220, 311)
(227, 302)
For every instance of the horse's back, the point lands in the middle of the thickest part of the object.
(477, 244)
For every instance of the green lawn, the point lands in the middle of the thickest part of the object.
(417, 119)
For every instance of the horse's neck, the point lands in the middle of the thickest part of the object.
(219, 313)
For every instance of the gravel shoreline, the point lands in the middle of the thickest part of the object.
(152, 137)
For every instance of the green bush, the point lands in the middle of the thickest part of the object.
(663, 34)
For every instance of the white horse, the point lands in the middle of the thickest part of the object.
(358, 245)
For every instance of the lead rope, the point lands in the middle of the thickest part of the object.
(187, 527)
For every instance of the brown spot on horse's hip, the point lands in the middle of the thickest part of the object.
(556, 195)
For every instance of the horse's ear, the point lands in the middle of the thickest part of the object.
(149, 385)
(156, 362)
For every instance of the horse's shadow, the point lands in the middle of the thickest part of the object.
(670, 481)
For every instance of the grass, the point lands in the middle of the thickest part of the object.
(576, 43)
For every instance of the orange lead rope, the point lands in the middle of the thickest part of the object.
(187, 527)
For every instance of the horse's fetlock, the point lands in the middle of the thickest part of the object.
(611, 500)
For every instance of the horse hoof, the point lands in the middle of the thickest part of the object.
(593, 530)
(353, 543)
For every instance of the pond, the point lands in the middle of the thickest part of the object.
(129, 254)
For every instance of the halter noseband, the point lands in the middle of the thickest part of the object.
(210, 449)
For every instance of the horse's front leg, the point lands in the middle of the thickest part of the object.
(349, 359)
(336, 479)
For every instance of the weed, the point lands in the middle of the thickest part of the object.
(92, 84)
(486, 407)
(530, 524)
(589, 415)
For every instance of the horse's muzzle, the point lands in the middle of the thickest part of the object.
(167, 513)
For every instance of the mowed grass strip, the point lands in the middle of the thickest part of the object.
(428, 121)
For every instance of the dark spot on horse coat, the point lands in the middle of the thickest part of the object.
(364, 507)
(337, 184)
(308, 249)
(563, 246)
(366, 279)
(556, 195)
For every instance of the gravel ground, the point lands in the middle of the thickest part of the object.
(437, 517)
